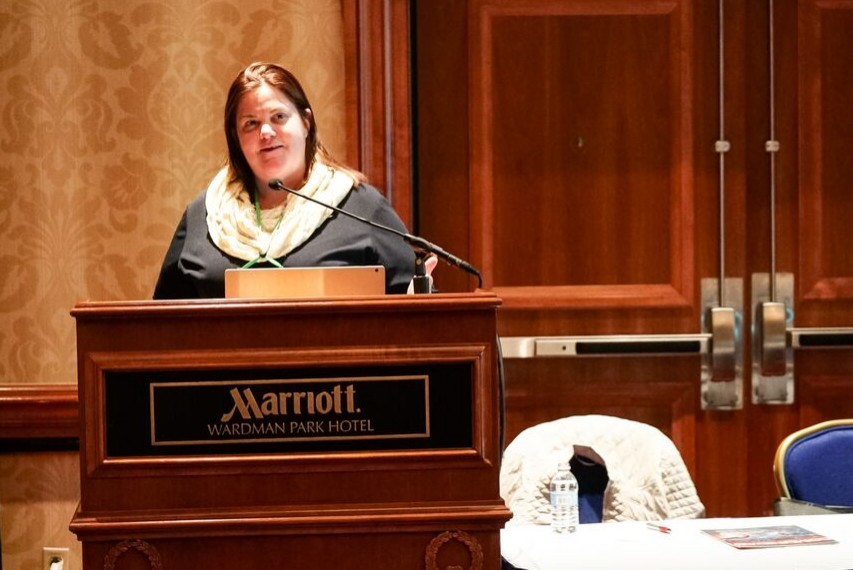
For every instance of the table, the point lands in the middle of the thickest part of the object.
(633, 545)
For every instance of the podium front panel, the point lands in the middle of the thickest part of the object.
(375, 416)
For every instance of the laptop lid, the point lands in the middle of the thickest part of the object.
(304, 282)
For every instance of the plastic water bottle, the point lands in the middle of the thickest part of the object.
(564, 500)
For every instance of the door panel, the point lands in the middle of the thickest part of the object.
(584, 208)
(570, 149)
(553, 106)
(826, 168)
(566, 94)
(658, 392)
(441, 126)
(813, 202)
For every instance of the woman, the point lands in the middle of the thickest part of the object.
(239, 221)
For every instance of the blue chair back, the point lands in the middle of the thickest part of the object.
(815, 464)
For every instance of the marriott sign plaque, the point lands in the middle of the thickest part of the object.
(247, 411)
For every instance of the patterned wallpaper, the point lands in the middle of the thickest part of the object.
(110, 122)
(111, 115)
(39, 493)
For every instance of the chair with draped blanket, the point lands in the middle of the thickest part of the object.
(626, 470)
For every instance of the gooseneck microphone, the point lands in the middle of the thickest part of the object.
(418, 243)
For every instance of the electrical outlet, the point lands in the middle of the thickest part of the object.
(53, 558)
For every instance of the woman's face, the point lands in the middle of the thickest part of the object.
(272, 136)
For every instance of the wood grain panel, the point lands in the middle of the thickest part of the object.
(662, 393)
(564, 262)
(190, 505)
(441, 118)
(352, 551)
(98, 463)
(825, 382)
(376, 41)
(552, 111)
(39, 412)
(570, 98)
(826, 88)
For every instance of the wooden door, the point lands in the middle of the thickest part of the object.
(808, 219)
(580, 153)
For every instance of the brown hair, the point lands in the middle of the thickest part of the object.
(279, 78)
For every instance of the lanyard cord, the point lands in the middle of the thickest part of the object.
(262, 256)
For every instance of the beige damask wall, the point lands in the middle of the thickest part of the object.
(110, 122)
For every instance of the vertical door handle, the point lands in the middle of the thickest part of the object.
(772, 358)
(771, 334)
(722, 369)
(723, 338)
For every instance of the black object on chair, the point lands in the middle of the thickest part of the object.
(592, 481)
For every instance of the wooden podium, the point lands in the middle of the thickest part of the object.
(353, 433)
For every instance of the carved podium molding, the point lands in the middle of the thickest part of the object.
(475, 550)
(154, 560)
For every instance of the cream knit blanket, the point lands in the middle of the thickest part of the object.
(648, 477)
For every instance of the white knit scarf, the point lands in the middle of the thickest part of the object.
(232, 222)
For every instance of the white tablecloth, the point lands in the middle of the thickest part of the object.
(632, 545)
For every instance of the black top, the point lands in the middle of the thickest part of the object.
(195, 268)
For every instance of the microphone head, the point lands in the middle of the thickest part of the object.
(275, 184)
